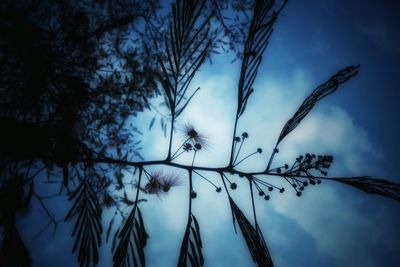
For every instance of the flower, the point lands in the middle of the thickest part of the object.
(197, 146)
(187, 147)
(193, 136)
(160, 183)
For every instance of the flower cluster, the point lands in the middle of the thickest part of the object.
(160, 183)
(236, 149)
(194, 139)
(302, 171)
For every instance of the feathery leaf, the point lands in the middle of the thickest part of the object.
(191, 245)
(373, 186)
(88, 229)
(260, 30)
(132, 240)
(186, 47)
(253, 237)
(321, 91)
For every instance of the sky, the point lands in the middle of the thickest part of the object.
(331, 224)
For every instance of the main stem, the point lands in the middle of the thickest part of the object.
(190, 193)
(138, 189)
(171, 136)
(233, 140)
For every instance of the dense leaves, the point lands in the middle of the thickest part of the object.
(74, 68)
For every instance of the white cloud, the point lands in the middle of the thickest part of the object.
(323, 213)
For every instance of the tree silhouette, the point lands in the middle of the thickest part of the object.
(76, 73)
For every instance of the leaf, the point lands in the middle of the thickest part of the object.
(321, 91)
(162, 122)
(186, 103)
(132, 240)
(109, 228)
(187, 44)
(261, 27)
(253, 237)
(373, 186)
(88, 228)
(152, 122)
(191, 248)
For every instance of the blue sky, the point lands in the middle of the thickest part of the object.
(330, 225)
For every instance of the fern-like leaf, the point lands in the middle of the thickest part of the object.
(186, 46)
(132, 240)
(321, 91)
(191, 245)
(88, 229)
(260, 30)
(373, 186)
(253, 237)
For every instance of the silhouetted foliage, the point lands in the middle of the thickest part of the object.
(191, 245)
(88, 227)
(253, 236)
(132, 238)
(75, 74)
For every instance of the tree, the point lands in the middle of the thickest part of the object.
(80, 122)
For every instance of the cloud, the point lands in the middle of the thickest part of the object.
(381, 35)
(330, 220)
(335, 222)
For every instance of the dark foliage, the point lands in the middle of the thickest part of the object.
(13, 251)
(73, 71)
(264, 17)
(132, 240)
(132, 237)
(373, 186)
(88, 227)
(191, 254)
(321, 91)
(253, 237)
